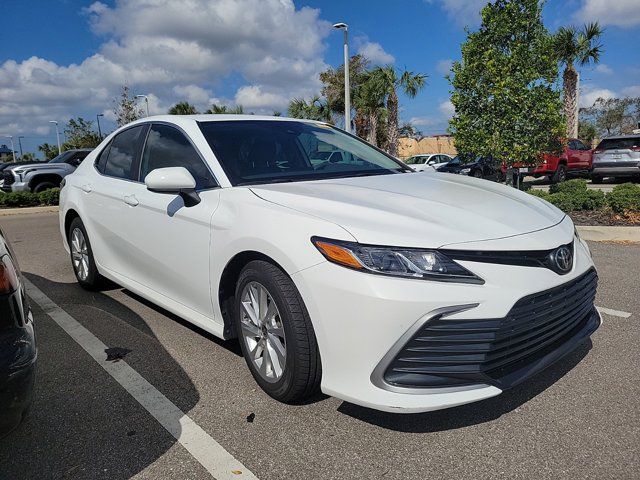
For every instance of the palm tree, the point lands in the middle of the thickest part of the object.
(368, 101)
(183, 108)
(576, 47)
(223, 109)
(314, 109)
(391, 80)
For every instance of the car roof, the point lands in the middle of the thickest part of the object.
(617, 137)
(212, 117)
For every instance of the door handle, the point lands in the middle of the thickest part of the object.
(131, 200)
(86, 188)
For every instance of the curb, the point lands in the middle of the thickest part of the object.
(7, 212)
(609, 234)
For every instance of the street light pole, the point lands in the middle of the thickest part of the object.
(98, 119)
(13, 152)
(347, 89)
(20, 143)
(57, 135)
(146, 101)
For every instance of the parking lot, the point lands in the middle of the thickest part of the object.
(578, 419)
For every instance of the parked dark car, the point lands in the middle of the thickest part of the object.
(17, 343)
(473, 166)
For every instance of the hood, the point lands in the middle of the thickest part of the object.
(426, 209)
(39, 166)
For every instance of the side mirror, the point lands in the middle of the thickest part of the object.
(173, 180)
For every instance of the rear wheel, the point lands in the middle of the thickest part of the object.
(42, 186)
(275, 332)
(560, 175)
(84, 265)
(477, 174)
(596, 180)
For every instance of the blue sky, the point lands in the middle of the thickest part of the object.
(63, 58)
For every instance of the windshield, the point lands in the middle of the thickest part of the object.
(270, 151)
(626, 143)
(416, 160)
(61, 158)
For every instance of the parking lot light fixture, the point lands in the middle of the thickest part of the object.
(20, 144)
(57, 135)
(13, 152)
(98, 119)
(146, 101)
(347, 91)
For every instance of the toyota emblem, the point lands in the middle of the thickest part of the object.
(563, 259)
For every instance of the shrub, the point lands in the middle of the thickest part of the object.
(570, 187)
(561, 200)
(625, 197)
(49, 197)
(539, 193)
(593, 200)
(19, 199)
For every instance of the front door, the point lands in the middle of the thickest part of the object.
(171, 242)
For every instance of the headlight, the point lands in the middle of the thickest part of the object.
(395, 261)
(465, 171)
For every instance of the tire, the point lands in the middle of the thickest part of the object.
(91, 278)
(596, 180)
(41, 187)
(300, 377)
(476, 174)
(560, 174)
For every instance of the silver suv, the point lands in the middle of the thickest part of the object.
(42, 176)
(616, 157)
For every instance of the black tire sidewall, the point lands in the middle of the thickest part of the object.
(41, 187)
(259, 271)
(93, 278)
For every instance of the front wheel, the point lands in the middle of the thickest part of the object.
(477, 174)
(84, 265)
(275, 332)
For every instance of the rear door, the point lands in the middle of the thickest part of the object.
(584, 155)
(104, 200)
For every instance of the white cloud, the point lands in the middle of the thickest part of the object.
(444, 66)
(447, 108)
(631, 91)
(461, 12)
(424, 121)
(373, 51)
(621, 13)
(172, 51)
(603, 68)
(590, 94)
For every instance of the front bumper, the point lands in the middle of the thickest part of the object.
(16, 187)
(361, 319)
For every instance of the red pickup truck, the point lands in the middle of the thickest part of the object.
(575, 160)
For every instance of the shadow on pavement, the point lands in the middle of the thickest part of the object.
(473, 413)
(82, 423)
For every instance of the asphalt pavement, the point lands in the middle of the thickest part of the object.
(578, 419)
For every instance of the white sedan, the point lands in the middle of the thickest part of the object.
(350, 274)
(423, 161)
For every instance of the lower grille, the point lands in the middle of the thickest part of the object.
(446, 352)
(8, 178)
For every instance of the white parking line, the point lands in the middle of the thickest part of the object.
(615, 313)
(209, 453)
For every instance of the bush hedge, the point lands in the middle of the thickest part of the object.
(625, 198)
(28, 199)
(573, 195)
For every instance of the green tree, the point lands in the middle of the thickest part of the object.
(506, 103)
(49, 151)
(183, 108)
(224, 109)
(314, 109)
(587, 131)
(391, 81)
(576, 47)
(124, 107)
(369, 101)
(613, 116)
(80, 134)
(28, 157)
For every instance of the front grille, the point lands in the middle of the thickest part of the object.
(449, 352)
(8, 178)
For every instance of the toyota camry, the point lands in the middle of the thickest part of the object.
(337, 267)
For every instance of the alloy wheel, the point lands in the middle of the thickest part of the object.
(263, 332)
(79, 254)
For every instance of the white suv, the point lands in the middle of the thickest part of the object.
(337, 275)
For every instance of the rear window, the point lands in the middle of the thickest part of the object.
(619, 143)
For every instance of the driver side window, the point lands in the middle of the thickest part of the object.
(169, 147)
